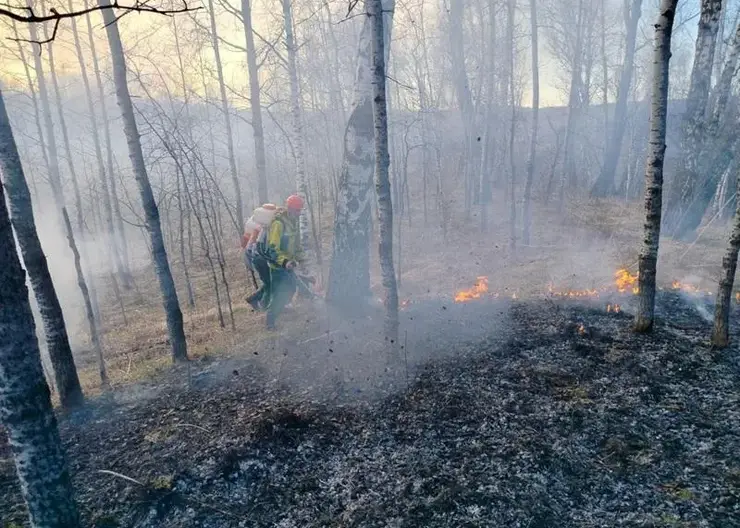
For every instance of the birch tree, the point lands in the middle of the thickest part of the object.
(25, 401)
(648, 258)
(297, 116)
(151, 212)
(683, 188)
(719, 139)
(119, 240)
(511, 10)
(604, 185)
(382, 179)
(227, 116)
(255, 103)
(721, 329)
(55, 330)
(527, 211)
(349, 274)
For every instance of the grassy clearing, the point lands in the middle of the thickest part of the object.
(578, 249)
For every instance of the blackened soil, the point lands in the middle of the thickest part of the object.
(564, 419)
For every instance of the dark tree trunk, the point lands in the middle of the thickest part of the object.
(94, 335)
(21, 209)
(25, 400)
(151, 212)
(648, 259)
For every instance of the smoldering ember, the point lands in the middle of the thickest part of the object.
(372, 264)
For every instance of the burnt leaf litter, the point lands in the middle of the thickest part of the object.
(564, 418)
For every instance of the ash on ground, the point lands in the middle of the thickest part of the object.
(560, 416)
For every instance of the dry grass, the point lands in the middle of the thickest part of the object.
(578, 249)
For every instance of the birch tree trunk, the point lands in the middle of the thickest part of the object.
(115, 253)
(721, 329)
(151, 212)
(88, 294)
(63, 128)
(683, 189)
(25, 401)
(604, 185)
(719, 138)
(255, 103)
(120, 241)
(489, 134)
(227, 116)
(55, 178)
(511, 10)
(32, 90)
(527, 212)
(654, 171)
(349, 274)
(297, 115)
(60, 352)
(382, 179)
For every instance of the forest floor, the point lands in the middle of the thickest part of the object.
(545, 414)
(523, 411)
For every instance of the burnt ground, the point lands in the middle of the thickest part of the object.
(550, 415)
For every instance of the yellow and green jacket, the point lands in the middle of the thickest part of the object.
(282, 243)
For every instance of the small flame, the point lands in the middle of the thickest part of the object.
(624, 281)
(581, 329)
(514, 296)
(613, 308)
(737, 296)
(405, 303)
(481, 287)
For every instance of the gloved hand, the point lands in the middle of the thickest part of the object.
(290, 265)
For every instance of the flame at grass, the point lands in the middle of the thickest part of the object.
(625, 281)
(481, 287)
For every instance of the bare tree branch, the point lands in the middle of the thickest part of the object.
(26, 14)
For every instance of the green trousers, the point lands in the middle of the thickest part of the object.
(282, 289)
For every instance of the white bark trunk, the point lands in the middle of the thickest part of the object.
(349, 276)
(654, 171)
(721, 329)
(297, 115)
(382, 178)
(684, 188)
(511, 10)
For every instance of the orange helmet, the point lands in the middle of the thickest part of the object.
(294, 202)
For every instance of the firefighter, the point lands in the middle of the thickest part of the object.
(283, 251)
